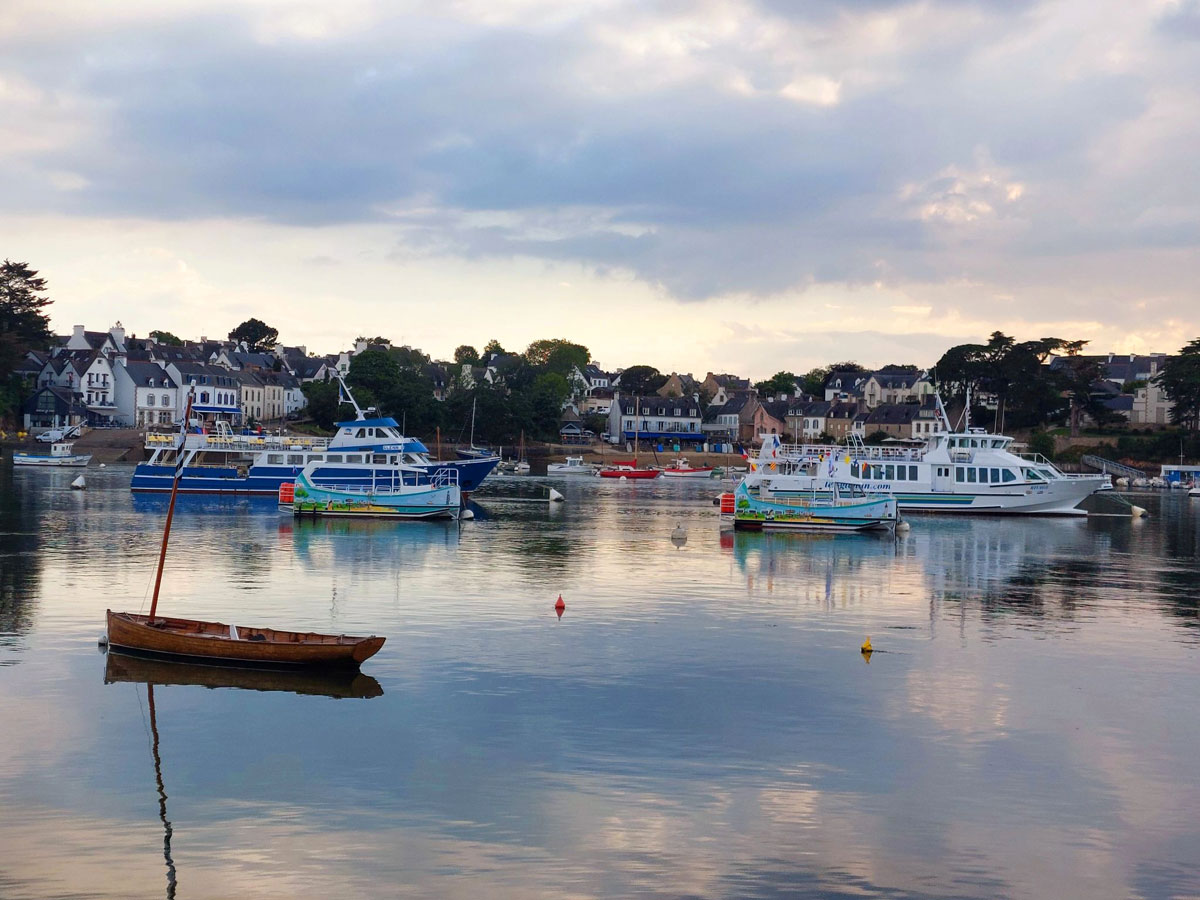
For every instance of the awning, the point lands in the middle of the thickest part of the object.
(666, 436)
(217, 410)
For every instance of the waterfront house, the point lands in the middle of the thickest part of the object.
(840, 419)
(252, 396)
(807, 421)
(907, 421)
(145, 395)
(845, 385)
(217, 395)
(52, 406)
(655, 418)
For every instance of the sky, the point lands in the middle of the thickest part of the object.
(718, 185)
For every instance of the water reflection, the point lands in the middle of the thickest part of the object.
(701, 723)
(20, 562)
(124, 667)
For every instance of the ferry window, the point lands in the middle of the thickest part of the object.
(380, 459)
(295, 459)
(960, 474)
(972, 474)
(912, 473)
(275, 459)
(854, 468)
(995, 476)
(361, 433)
(891, 473)
(902, 473)
(354, 457)
(1009, 475)
(334, 457)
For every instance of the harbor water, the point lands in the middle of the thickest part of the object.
(699, 723)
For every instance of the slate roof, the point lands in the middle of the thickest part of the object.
(142, 372)
(776, 408)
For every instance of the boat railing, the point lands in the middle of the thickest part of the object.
(244, 442)
(872, 452)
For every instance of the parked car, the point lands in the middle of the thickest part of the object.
(54, 435)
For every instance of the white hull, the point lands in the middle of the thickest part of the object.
(20, 459)
(694, 473)
(560, 469)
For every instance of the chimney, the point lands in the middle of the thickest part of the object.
(118, 335)
(78, 331)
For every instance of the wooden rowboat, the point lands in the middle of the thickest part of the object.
(193, 640)
(217, 642)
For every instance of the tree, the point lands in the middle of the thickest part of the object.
(493, 346)
(847, 366)
(1180, 381)
(375, 371)
(563, 352)
(23, 324)
(166, 338)
(814, 381)
(465, 353)
(323, 402)
(779, 383)
(362, 338)
(256, 334)
(409, 357)
(639, 381)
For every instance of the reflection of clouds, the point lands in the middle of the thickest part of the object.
(965, 702)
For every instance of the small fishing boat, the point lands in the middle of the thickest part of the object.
(396, 493)
(60, 455)
(844, 509)
(628, 470)
(574, 465)
(681, 469)
(196, 640)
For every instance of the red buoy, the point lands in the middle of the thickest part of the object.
(560, 605)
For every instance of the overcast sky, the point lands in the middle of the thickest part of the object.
(743, 186)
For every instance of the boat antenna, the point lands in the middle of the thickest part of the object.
(344, 396)
(179, 458)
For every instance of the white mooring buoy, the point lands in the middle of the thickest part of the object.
(1137, 512)
(679, 535)
(556, 497)
(79, 484)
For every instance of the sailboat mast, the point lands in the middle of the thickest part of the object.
(472, 444)
(162, 795)
(179, 455)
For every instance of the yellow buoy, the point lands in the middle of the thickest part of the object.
(866, 647)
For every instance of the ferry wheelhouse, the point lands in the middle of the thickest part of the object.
(222, 462)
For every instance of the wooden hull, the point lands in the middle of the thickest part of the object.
(199, 641)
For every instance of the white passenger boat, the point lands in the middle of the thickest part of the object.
(968, 471)
(60, 455)
(573, 466)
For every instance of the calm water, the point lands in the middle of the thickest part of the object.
(699, 723)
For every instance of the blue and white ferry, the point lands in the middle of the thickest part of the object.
(222, 462)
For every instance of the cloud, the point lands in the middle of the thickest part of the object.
(721, 149)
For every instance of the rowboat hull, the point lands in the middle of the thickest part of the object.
(630, 473)
(215, 642)
(687, 473)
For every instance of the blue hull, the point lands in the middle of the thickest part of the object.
(265, 480)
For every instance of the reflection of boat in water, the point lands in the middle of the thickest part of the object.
(338, 683)
(119, 667)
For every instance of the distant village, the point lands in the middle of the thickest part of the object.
(111, 379)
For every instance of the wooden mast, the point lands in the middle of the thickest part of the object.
(162, 553)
